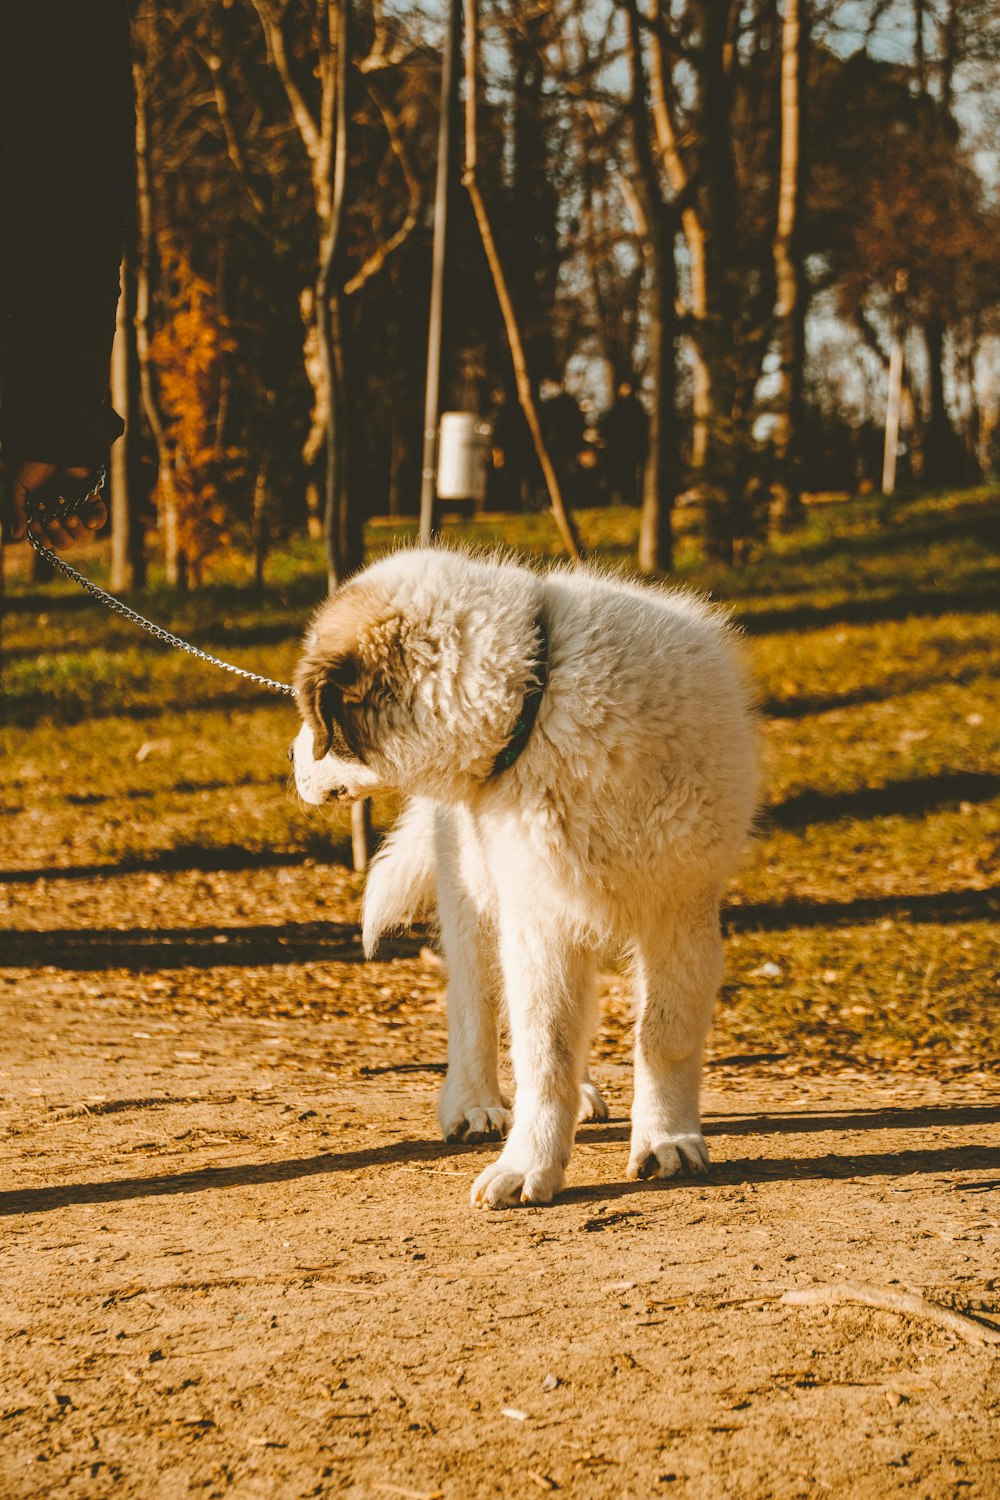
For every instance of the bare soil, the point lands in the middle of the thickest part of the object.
(237, 1259)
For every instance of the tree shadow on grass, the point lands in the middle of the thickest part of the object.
(974, 523)
(975, 599)
(797, 566)
(88, 949)
(935, 907)
(202, 859)
(903, 534)
(182, 788)
(891, 685)
(298, 596)
(914, 796)
(26, 709)
(212, 635)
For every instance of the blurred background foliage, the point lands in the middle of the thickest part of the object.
(734, 208)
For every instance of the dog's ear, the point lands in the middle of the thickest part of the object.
(340, 673)
(346, 676)
(311, 680)
(324, 689)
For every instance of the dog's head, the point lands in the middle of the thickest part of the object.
(412, 676)
(338, 685)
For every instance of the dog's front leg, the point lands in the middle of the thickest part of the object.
(471, 1106)
(551, 997)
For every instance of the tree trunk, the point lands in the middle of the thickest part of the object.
(939, 441)
(972, 427)
(314, 512)
(920, 45)
(661, 477)
(708, 201)
(174, 560)
(432, 381)
(893, 400)
(329, 319)
(951, 31)
(694, 238)
(912, 423)
(397, 458)
(721, 478)
(349, 517)
(325, 137)
(525, 393)
(789, 271)
(258, 522)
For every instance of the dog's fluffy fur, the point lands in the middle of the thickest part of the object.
(618, 824)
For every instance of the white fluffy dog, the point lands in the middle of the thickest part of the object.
(580, 751)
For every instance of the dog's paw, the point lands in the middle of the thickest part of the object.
(668, 1156)
(489, 1122)
(505, 1185)
(592, 1106)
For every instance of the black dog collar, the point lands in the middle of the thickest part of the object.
(525, 723)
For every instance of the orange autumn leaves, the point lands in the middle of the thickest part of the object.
(191, 353)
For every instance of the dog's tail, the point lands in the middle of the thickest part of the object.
(402, 882)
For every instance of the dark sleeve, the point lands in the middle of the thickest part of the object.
(66, 193)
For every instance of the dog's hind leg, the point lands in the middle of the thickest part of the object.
(592, 1104)
(551, 995)
(678, 972)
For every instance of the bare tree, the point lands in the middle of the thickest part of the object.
(145, 62)
(661, 480)
(894, 387)
(522, 377)
(442, 193)
(323, 129)
(789, 272)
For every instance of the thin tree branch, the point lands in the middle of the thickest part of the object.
(308, 129)
(213, 63)
(911, 1304)
(415, 202)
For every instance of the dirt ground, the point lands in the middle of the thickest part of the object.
(237, 1260)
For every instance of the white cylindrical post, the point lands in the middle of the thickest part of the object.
(463, 457)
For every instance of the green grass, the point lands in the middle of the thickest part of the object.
(872, 884)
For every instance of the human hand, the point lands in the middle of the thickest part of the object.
(30, 480)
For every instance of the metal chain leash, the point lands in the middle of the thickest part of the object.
(118, 608)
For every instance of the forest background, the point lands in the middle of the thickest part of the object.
(756, 213)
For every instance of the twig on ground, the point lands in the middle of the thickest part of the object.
(911, 1304)
(395, 1489)
(544, 1481)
